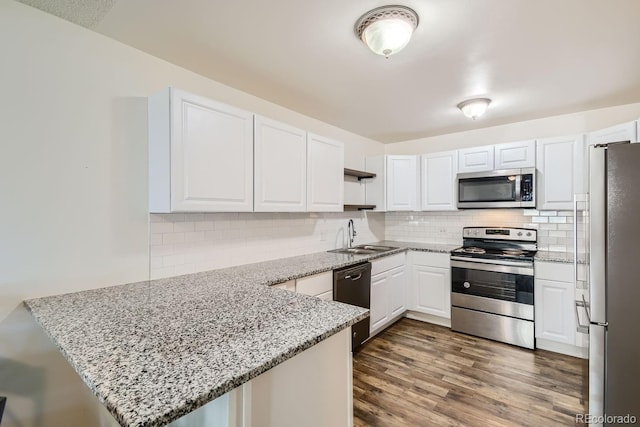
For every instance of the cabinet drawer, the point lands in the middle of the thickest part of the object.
(316, 284)
(431, 259)
(289, 285)
(387, 263)
(327, 296)
(556, 271)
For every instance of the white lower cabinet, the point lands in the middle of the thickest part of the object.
(313, 388)
(430, 284)
(318, 285)
(555, 309)
(388, 291)
(289, 285)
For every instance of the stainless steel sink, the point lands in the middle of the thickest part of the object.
(364, 250)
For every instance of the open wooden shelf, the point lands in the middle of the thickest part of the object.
(358, 174)
(359, 207)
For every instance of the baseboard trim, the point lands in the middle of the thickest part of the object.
(556, 347)
(429, 318)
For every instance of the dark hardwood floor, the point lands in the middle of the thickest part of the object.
(418, 374)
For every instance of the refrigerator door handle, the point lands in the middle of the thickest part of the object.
(597, 354)
(597, 234)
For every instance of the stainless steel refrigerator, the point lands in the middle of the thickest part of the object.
(614, 284)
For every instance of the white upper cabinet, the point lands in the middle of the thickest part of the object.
(438, 179)
(280, 168)
(622, 132)
(200, 155)
(561, 163)
(325, 174)
(476, 159)
(515, 155)
(402, 183)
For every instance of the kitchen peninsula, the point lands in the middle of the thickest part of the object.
(153, 352)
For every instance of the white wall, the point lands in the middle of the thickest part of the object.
(566, 124)
(73, 181)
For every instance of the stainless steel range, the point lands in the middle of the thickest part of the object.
(492, 284)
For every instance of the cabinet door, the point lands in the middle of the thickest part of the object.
(432, 290)
(476, 159)
(622, 132)
(554, 311)
(516, 155)
(325, 174)
(438, 181)
(398, 291)
(211, 156)
(402, 183)
(560, 171)
(379, 311)
(280, 167)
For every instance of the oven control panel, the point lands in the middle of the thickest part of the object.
(500, 233)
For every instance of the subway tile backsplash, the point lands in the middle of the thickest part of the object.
(555, 228)
(189, 243)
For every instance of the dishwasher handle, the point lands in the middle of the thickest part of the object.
(352, 277)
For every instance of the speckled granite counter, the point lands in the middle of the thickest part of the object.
(155, 351)
(564, 257)
(423, 247)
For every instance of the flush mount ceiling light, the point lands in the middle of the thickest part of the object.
(387, 29)
(474, 108)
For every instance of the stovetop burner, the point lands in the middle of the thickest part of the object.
(473, 250)
(498, 243)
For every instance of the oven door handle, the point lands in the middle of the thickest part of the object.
(523, 264)
(509, 267)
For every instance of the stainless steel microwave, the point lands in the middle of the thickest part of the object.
(512, 188)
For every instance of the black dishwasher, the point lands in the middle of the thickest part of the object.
(352, 285)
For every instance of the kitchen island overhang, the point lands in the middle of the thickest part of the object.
(157, 350)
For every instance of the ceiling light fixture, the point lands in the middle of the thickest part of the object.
(387, 29)
(474, 108)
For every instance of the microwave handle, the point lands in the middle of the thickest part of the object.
(518, 188)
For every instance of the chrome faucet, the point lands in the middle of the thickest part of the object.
(351, 233)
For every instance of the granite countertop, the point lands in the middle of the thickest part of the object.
(564, 257)
(154, 351)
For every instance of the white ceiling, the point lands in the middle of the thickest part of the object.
(534, 58)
